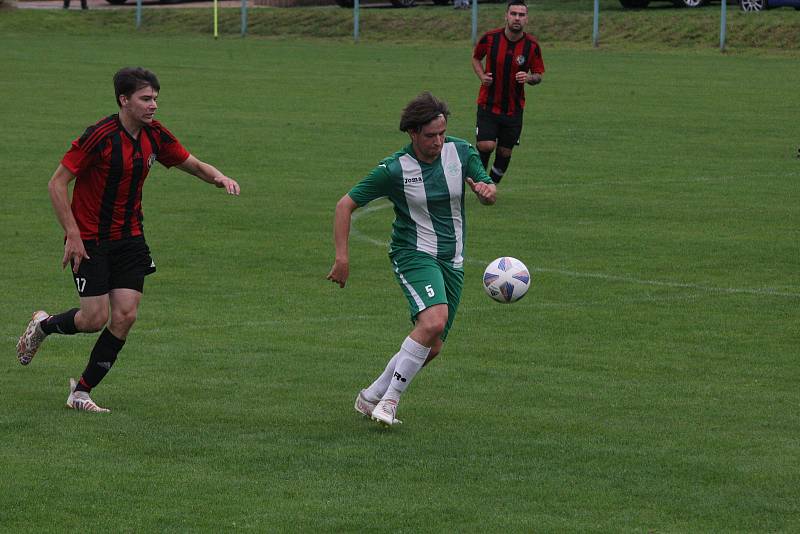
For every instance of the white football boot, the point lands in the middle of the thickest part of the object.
(364, 406)
(80, 400)
(30, 341)
(385, 411)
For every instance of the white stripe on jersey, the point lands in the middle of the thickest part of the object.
(451, 165)
(417, 201)
(410, 288)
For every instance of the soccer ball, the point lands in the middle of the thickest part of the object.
(506, 279)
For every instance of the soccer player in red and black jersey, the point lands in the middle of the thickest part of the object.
(513, 58)
(104, 240)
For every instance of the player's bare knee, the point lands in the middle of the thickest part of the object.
(486, 146)
(433, 326)
(123, 320)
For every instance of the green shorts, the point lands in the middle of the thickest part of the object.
(426, 281)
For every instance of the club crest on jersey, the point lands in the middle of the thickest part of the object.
(151, 160)
(521, 60)
(412, 180)
(452, 168)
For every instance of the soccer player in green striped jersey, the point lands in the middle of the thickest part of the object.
(426, 182)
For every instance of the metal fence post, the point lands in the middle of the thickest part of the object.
(356, 10)
(723, 23)
(244, 18)
(474, 22)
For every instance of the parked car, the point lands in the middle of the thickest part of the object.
(761, 5)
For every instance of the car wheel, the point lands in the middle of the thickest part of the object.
(404, 3)
(753, 5)
(634, 4)
(690, 3)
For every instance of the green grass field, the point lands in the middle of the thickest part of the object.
(647, 383)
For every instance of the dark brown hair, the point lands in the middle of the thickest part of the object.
(130, 79)
(422, 110)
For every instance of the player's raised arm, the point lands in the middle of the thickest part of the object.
(341, 234)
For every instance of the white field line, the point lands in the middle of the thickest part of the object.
(767, 292)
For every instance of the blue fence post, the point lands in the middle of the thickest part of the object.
(596, 24)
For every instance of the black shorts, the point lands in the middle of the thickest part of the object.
(120, 264)
(503, 129)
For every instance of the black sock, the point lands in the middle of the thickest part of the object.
(104, 354)
(485, 158)
(63, 323)
(499, 168)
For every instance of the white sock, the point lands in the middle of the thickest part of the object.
(409, 360)
(375, 391)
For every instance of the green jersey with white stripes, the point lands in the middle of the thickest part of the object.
(428, 199)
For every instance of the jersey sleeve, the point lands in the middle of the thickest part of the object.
(474, 166)
(77, 159)
(170, 151)
(537, 63)
(482, 48)
(374, 185)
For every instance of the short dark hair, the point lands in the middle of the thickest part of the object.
(422, 110)
(510, 3)
(130, 79)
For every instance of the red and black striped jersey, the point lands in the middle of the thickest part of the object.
(504, 58)
(110, 168)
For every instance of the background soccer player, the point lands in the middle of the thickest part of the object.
(513, 58)
(104, 240)
(426, 182)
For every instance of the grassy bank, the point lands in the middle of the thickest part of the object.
(569, 23)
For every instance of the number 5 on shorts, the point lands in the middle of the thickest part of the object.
(429, 290)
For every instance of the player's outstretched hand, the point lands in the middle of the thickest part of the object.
(486, 193)
(340, 272)
(230, 185)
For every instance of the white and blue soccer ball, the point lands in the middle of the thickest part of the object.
(506, 279)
